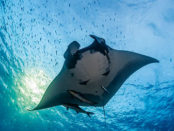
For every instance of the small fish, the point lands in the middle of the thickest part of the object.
(80, 97)
(77, 109)
(104, 89)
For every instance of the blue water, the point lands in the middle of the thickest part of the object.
(34, 35)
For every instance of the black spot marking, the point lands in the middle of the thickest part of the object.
(83, 82)
(106, 73)
(72, 74)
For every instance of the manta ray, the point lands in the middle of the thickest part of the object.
(91, 76)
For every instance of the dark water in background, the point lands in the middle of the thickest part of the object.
(34, 36)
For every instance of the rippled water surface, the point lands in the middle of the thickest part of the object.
(34, 35)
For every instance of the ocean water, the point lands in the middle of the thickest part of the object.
(34, 35)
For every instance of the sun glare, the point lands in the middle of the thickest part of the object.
(34, 84)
